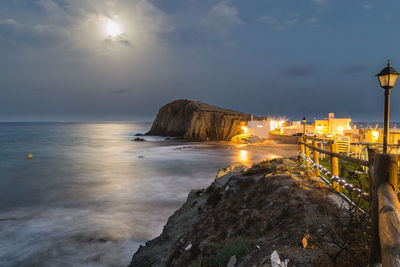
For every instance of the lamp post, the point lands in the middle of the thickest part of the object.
(304, 126)
(387, 79)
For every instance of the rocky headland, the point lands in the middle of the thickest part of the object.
(197, 121)
(251, 216)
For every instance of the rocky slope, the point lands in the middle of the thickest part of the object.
(194, 120)
(243, 217)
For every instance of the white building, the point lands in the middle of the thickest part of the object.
(258, 128)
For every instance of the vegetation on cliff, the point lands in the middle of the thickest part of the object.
(194, 120)
(275, 205)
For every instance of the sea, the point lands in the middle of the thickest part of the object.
(89, 196)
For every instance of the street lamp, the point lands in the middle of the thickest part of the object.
(304, 126)
(387, 79)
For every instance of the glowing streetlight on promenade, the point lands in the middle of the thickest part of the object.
(387, 79)
(304, 126)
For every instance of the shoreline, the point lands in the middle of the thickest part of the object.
(269, 149)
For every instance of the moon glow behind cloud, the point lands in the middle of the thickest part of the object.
(118, 59)
(113, 29)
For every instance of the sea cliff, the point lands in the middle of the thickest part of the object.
(248, 217)
(197, 121)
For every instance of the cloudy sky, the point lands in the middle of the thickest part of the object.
(123, 59)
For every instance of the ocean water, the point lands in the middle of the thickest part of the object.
(90, 196)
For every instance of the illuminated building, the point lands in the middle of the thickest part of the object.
(376, 136)
(332, 126)
(259, 128)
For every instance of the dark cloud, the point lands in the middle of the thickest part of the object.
(304, 91)
(121, 38)
(300, 70)
(352, 69)
(119, 91)
(213, 51)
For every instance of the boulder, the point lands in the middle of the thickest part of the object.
(197, 121)
(247, 139)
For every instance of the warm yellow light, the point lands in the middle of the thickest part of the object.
(388, 80)
(275, 125)
(340, 129)
(375, 134)
(272, 125)
(259, 126)
(243, 155)
(245, 129)
(318, 129)
(112, 28)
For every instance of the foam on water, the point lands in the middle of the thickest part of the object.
(59, 237)
(91, 196)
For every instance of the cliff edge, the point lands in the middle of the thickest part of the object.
(197, 121)
(249, 217)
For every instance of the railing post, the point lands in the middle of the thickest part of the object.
(301, 145)
(323, 148)
(371, 154)
(335, 166)
(389, 225)
(384, 170)
(316, 159)
(307, 152)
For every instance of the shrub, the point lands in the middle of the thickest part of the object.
(237, 246)
(219, 254)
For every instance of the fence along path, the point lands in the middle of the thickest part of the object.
(384, 203)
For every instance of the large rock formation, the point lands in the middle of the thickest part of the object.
(194, 120)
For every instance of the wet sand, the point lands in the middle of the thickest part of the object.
(271, 147)
(250, 154)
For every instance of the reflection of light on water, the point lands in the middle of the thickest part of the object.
(273, 156)
(248, 157)
(243, 155)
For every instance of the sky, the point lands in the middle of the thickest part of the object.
(61, 61)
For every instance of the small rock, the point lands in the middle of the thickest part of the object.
(242, 212)
(247, 139)
(276, 261)
(138, 139)
(232, 261)
(188, 247)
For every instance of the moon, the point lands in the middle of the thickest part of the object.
(113, 29)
